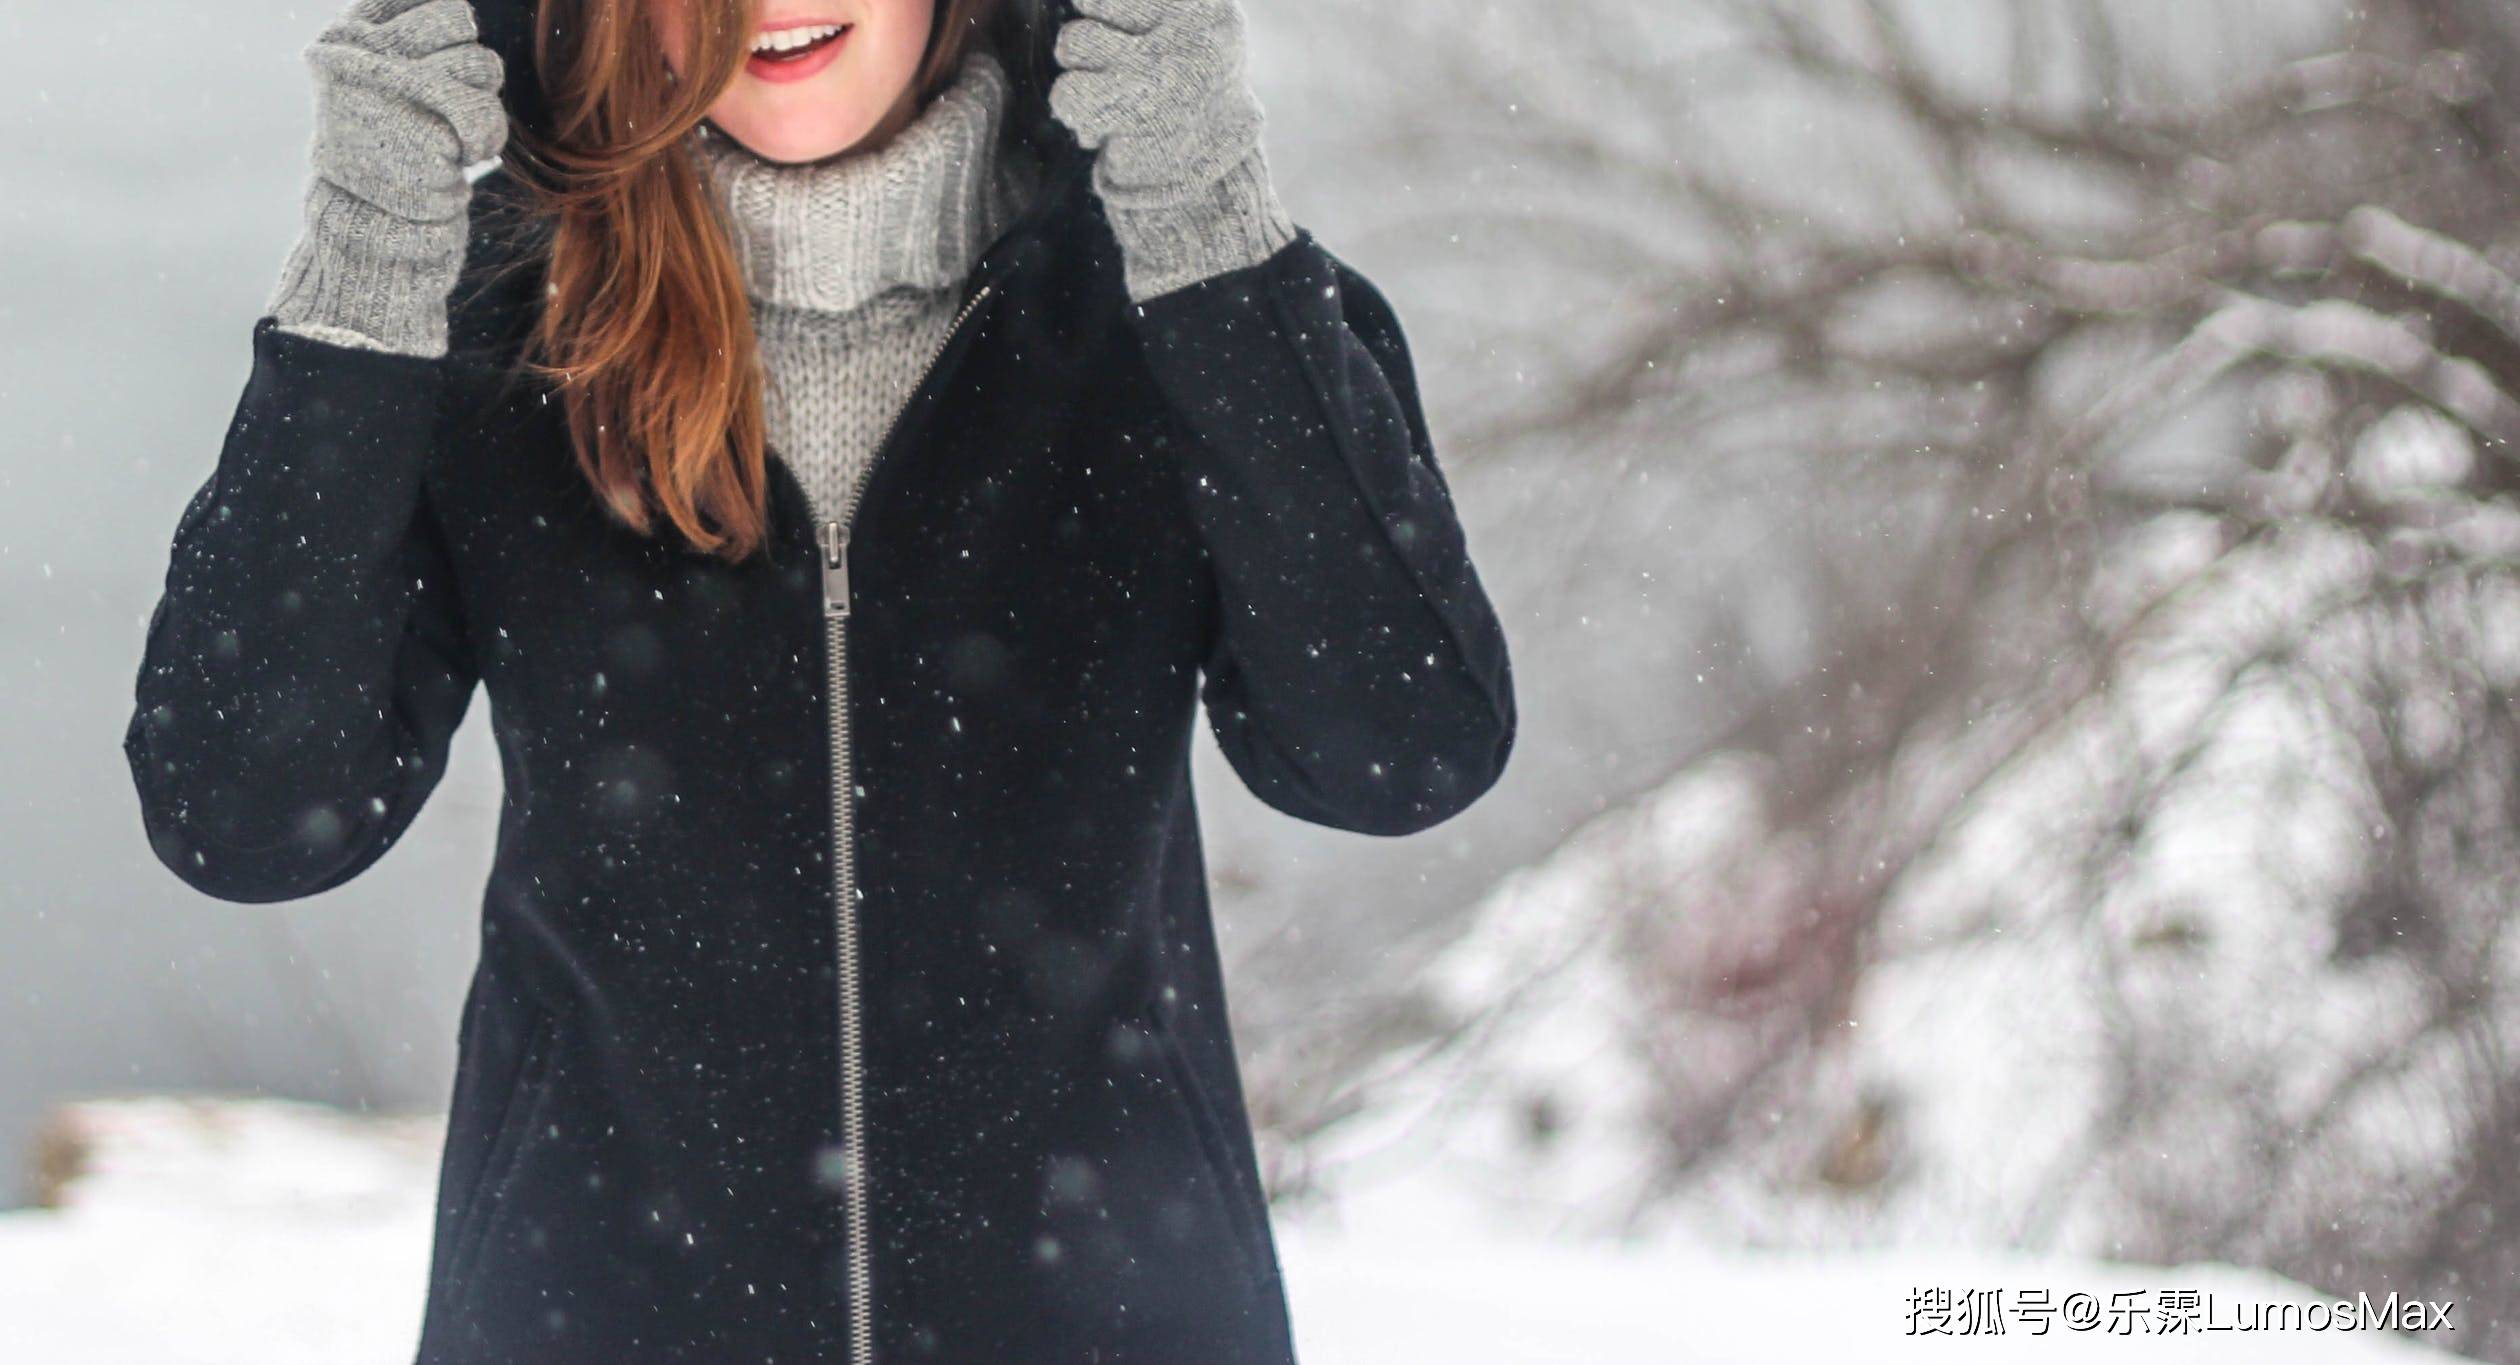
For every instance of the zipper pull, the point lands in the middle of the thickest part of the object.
(835, 578)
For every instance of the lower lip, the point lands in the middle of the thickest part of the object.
(799, 68)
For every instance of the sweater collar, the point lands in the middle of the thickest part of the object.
(916, 212)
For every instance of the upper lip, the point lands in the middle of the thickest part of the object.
(767, 34)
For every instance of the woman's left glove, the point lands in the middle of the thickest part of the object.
(1159, 87)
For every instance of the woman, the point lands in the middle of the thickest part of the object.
(846, 439)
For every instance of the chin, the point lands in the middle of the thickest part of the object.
(789, 142)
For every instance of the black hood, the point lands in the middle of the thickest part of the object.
(1021, 33)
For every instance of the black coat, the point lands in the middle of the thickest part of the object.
(703, 978)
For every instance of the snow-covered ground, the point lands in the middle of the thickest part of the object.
(265, 1233)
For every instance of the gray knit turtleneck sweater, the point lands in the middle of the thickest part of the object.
(854, 262)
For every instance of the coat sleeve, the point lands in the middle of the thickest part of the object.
(1355, 673)
(305, 667)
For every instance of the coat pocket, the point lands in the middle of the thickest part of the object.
(1137, 1214)
(482, 1202)
(1243, 1202)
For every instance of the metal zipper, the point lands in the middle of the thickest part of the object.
(834, 535)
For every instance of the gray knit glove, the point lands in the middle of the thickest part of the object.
(1159, 87)
(406, 97)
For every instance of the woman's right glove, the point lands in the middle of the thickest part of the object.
(406, 97)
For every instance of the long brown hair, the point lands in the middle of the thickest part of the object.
(645, 329)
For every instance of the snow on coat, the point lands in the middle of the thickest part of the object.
(1091, 518)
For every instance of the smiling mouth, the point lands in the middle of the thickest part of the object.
(796, 44)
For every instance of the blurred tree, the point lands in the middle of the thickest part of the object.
(2122, 394)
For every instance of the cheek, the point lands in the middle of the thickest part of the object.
(893, 58)
(905, 23)
(666, 18)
